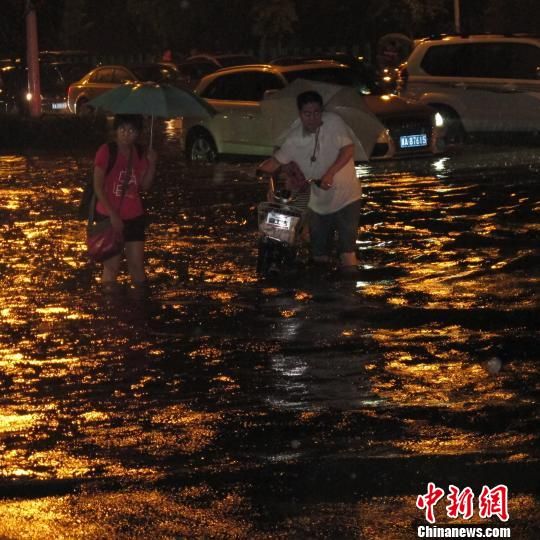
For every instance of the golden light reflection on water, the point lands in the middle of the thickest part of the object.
(100, 401)
(207, 352)
(56, 464)
(16, 422)
(436, 440)
(192, 431)
(451, 378)
(222, 296)
(130, 513)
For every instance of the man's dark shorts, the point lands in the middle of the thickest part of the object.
(133, 228)
(344, 221)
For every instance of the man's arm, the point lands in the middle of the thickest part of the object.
(269, 166)
(346, 153)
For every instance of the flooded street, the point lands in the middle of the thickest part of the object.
(221, 405)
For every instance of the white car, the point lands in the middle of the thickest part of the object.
(480, 83)
(387, 126)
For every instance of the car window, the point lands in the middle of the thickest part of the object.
(227, 87)
(524, 61)
(443, 61)
(362, 82)
(341, 76)
(121, 76)
(489, 60)
(51, 79)
(257, 83)
(200, 69)
(485, 60)
(104, 75)
(73, 71)
(246, 86)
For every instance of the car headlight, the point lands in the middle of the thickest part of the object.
(439, 120)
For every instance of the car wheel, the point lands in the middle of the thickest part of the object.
(201, 148)
(455, 132)
(83, 108)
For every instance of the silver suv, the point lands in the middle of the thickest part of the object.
(480, 83)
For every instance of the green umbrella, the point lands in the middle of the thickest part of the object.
(152, 99)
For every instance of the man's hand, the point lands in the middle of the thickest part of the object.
(268, 167)
(327, 181)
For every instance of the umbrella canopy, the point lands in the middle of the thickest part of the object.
(364, 126)
(152, 100)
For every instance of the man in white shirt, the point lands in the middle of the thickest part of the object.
(323, 149)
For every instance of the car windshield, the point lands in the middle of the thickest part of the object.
(336, 75)
(72, 72)
(51, 80)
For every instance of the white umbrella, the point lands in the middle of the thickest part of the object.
(364, 126)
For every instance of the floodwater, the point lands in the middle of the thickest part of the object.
(220, 405)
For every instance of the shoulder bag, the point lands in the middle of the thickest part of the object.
(103, 241)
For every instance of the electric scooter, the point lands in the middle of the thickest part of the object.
(280, 225)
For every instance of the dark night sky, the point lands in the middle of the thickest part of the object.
(196, 25)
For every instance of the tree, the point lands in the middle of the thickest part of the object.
(273, 20)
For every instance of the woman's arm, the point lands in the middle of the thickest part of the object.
(148, 177)
(345, 154)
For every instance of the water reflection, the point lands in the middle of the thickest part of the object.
(216, 374)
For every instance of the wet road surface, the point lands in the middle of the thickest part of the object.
(221, 405)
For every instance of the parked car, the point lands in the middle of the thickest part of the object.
(55, 78)
(95, 83)
(195, 67)
(365, 72)
(159, 72)
(480, 83)
(242, 126)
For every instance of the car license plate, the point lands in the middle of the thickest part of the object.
(59, 106)
(413, 141)
(280, 221)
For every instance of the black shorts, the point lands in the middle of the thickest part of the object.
(134, 229)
